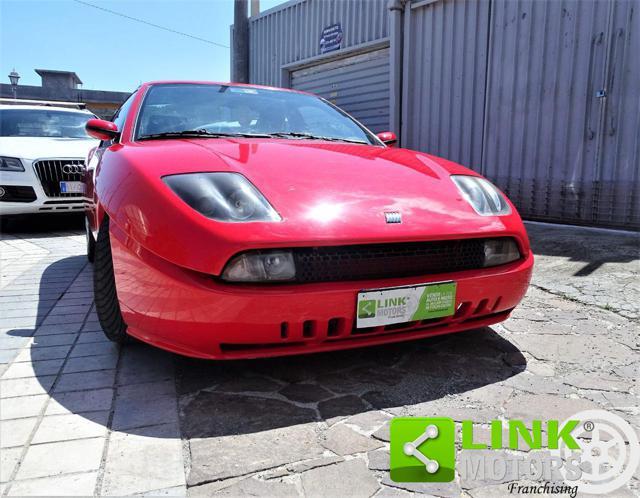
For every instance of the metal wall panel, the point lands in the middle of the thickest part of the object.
(445, 52)
(291, 32)
(358, 84)
(547, 141)
(618, 167)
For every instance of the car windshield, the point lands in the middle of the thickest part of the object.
(42, 123)
(235, 110)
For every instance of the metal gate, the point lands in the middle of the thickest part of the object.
(541, 97)
(359, 84)
(618, 166)
(562, 120)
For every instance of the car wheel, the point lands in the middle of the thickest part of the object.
(104, 288)
(91, 242)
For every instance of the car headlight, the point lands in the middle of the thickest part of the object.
(262, 266)
(483, 196)
(500, 251)
(228, 197)
(10, 164)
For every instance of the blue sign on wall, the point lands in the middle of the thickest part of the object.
(331, 38)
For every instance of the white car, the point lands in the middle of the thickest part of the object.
(42, 159)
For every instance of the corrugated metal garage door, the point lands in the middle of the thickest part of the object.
(562, 128)
(541, 97)
(358, 84)
(445, 59)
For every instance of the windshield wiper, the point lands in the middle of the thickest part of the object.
(200, 133)
(309, 136)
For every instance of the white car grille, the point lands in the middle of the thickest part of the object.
(51, 172)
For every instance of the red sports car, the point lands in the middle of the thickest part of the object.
(238, 221)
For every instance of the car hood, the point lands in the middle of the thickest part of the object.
(333, 191)
(45, 147)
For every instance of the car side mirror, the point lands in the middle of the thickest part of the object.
(388, 137)
(101, 129)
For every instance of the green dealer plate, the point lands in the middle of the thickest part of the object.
(405, 304)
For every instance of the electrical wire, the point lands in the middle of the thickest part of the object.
(151, 24)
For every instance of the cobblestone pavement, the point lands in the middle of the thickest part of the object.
(80, 417)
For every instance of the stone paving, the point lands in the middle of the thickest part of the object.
(80, 417)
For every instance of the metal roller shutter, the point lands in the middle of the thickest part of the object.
(553, 142)
(358, 84)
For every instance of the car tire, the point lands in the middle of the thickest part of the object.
(104, 288)
(91, 242)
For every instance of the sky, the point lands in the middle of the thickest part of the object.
(110, 52)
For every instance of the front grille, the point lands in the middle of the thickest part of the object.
(50, 174)
(375, 261)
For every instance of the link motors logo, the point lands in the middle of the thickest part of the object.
(608, 451)
(594, 452)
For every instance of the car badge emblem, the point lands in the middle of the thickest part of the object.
(73, 169)
(393, 217)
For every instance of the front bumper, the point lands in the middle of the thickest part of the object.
(194, 315)
(41, 206)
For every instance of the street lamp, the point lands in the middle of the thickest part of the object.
(14, 77)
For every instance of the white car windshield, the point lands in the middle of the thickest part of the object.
(42, 123)
(243, 111)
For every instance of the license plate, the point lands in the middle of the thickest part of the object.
(72, 187)
(405, 304)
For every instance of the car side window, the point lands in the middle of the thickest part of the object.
(120, 117)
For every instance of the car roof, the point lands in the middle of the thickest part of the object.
(223, 83)
(44, 108)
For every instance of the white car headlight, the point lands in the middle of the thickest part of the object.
(483, 196)
(10, 164)
(228, 197)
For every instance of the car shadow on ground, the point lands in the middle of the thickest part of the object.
(592, 247)
(223, 398)
(22, 313)
(239, 397)
(45, 225)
